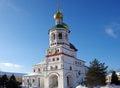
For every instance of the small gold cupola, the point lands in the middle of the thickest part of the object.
(58, 15)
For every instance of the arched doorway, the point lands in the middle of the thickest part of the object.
(53, 81)
(69, 81)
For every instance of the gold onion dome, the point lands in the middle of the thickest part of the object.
(58, 15)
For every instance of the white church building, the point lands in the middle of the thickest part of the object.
(61, 68)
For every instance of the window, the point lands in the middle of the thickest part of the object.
(75, 62)
(80, 63)
(60, 35)
(68, 83)
(49, 51)
(57, 59)
(51, 68)
(79, 73)
(56, 67)
(28, 80)
(70, 68)
(53, 59)
(53, 36)
(57, 51)
(33, 80)
(66, 36)
(38, 69)
(39, 82)
(33, 70)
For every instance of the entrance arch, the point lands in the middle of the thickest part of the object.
(53, 81)
(69, 81)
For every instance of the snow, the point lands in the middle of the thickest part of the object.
(80, 86)
(32, 74)
(107, 86)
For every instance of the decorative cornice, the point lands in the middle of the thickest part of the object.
(61, 53)
(61, 43)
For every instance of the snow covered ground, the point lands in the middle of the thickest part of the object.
(107, 86)
(110, 86)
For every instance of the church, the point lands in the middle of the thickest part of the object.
(61, 68)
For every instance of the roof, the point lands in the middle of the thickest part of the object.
(33, 74)
(73, 47)
(58, 15)
(63, 25)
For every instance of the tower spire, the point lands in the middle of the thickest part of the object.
(58, 16)
(58, 7)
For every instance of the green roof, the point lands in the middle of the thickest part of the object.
(63, 25)
(59, 26)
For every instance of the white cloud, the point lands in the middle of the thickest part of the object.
(10, 67)
(113, 30)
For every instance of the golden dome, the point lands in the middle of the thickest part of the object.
(58, 15)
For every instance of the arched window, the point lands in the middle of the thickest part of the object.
(66, 36)
(80, 63)
(57, 59)
(53, 59)
(57, 51)
(70, 68)
(38, 69)
(56, 67)
(79, 73)
(33, 80)
(75, 62)
(53, 37)
(27, 80)
(51, 68)
(49, 51)
(33, 70)
(68, 81)
(60, 35)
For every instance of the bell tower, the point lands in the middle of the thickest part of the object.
(60, 55)
(59, 34)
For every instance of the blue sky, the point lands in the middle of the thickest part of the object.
(24, 25)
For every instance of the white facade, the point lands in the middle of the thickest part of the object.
(61, 68)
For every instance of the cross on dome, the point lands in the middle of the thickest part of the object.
(58, 15)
